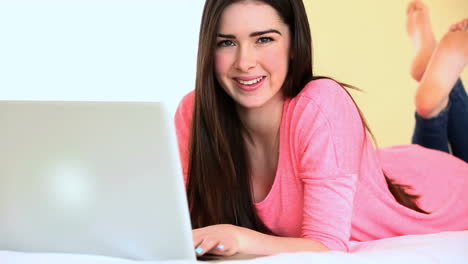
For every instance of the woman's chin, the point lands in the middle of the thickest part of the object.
(250, 104)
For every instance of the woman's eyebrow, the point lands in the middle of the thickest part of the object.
(253, 34)
(219, 35)
(259, 33)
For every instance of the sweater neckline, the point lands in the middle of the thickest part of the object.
(279, 166)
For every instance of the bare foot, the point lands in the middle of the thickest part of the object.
(445, 66)
(418, 26)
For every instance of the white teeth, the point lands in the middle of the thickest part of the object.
(251, 81)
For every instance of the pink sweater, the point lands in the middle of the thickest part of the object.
(329, 184)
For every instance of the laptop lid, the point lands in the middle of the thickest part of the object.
(100, 178)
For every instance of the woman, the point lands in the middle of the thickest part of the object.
(278, 160)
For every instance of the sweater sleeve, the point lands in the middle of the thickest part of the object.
(330, 140)
(183, 120)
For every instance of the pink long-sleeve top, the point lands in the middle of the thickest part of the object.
(329, 184)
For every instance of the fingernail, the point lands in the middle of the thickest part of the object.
(220, 246)
(199, 250)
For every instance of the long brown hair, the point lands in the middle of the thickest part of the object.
(219, 186)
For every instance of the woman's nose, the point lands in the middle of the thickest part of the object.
(246, 59)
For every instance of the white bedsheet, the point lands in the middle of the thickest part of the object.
(446, 247)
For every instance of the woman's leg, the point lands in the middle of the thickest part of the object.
(441, 94)
(428, 132)
(441, 112)
(432, 132)
(443, 70)
(458, 121)
(449, 126)
(418, 26)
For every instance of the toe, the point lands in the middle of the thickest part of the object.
(411, 7)
(453, 27)
(465, 24)
(460, 26)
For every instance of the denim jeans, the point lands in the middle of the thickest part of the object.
(449, 127)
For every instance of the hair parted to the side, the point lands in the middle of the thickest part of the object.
(219, 185)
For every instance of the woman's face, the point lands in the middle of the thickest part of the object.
(252, 53)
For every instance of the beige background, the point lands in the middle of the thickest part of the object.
(364, 43)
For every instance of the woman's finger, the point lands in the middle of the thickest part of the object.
(205, 246)
(220, 249)
(197, 239)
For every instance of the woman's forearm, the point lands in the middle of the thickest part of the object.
(256, 243)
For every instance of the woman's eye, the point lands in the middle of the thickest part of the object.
(264, 40)
(225, 43)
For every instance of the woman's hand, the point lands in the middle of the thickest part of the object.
(224, 240)
(227, 240)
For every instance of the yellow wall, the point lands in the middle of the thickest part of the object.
(364, 43)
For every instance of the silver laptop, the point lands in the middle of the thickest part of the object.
(99, 178)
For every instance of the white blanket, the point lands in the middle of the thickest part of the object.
(446, 247)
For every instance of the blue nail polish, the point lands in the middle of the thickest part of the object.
(199, 250)
(220, 246)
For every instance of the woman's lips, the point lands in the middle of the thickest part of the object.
(249, 84)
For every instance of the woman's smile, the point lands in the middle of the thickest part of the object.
(249, 84)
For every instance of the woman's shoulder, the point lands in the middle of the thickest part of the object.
(187, 101)
(185, 108)
(327, 95)
(319, 89)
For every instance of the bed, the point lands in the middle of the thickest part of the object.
(446, 247)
